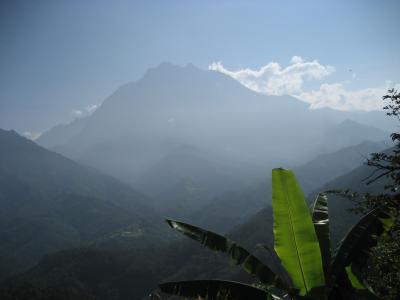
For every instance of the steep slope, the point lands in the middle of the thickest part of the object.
(90, 274)
(49, 203)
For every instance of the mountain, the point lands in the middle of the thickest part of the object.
(61, 133)
(49, 203)
(202, 108)
(169, 96)
(139, 124)
(140, 132)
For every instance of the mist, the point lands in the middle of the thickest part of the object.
(147, 112)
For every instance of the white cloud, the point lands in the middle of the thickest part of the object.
(273, 79)
(338, 97)
(88, 110)
(91, 108)
(77, 112)
(32, 135)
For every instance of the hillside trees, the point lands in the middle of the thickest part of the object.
(383, 268)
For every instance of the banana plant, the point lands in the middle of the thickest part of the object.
(302, 244)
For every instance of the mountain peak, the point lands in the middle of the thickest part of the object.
(169, 69)
(166, 65)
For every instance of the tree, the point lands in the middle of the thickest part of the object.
(302, 243)
(386, 166)
(383, 271)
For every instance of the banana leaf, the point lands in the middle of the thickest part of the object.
(353, 279)
(238, 254)
(320, 218)
(354, 248)
(214, 290)
(362, 290)
(295, 239)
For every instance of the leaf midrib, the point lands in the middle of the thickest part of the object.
(294, 236)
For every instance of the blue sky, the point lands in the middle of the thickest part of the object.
(59, 57)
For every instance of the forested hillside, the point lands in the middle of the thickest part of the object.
(50, 203)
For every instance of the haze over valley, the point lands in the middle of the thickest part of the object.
(147, 112)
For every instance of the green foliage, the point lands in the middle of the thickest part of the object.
(384, 266)
(295, 240)
(387, 164)
(353, 279)
(354, 248)
(320, 218)
(304, 257)
(238, 254)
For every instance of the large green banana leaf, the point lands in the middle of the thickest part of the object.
(295, 239)
(354, 248)
(214, 290)
(238, 254)
(320, 218)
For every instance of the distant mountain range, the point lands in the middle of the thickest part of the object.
(51, 203)
(185, 135)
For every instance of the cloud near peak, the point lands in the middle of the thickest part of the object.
(273, 79)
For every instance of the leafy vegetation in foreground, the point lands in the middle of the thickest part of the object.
(302, 243)
(383, 271)
(384, 267)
